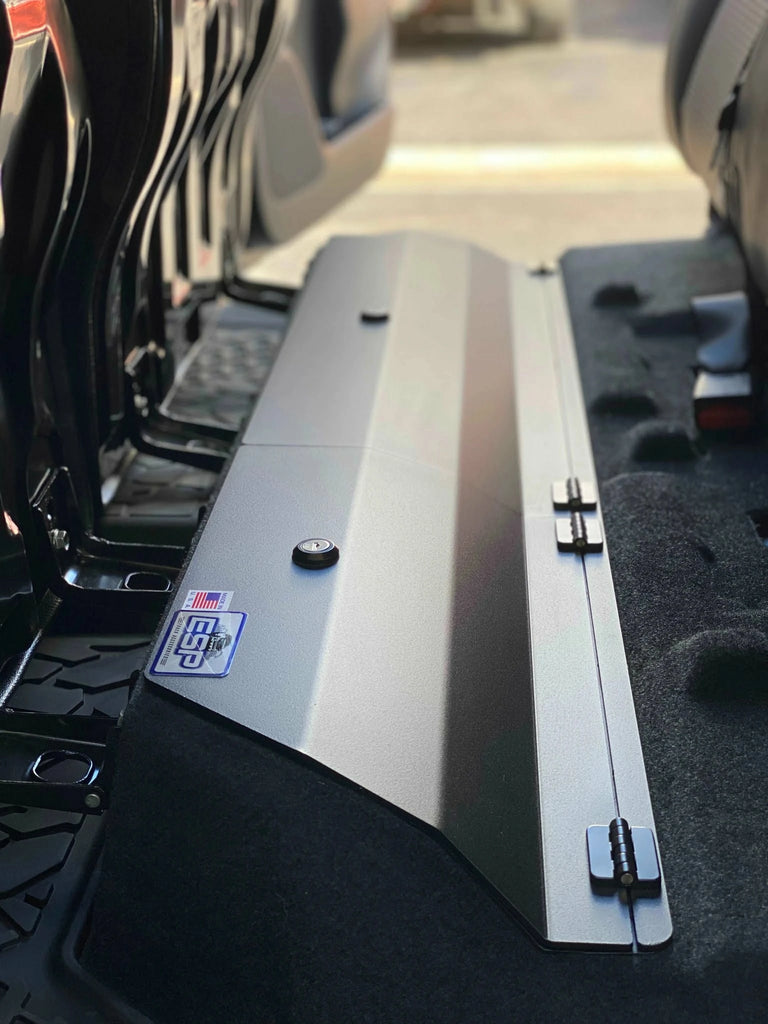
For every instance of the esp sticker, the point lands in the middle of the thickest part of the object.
(199, 644)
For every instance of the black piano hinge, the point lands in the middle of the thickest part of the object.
(623, 858)
(579, 535)
(574, 495)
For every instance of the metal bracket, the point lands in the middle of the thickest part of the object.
(623, 858)
(153, 432)
(269, 296)
(35, 744)
(579, 535)
(80, 566)
(724, 324)
(197, 430)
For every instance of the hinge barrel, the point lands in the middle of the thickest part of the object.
(622, 852)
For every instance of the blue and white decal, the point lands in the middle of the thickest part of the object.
(199, 644)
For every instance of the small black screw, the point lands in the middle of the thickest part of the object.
(315, 553)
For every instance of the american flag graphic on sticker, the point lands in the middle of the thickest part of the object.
(208, 600)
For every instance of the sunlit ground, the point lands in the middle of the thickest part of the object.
(527, 150)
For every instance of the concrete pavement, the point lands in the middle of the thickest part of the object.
(527, 149)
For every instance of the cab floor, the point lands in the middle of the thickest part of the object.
(47, 857)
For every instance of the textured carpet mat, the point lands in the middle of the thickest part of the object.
(691, 576)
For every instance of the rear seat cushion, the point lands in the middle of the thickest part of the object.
(710, 43)
(749, 163)
(690, 21)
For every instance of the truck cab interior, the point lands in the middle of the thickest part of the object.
(396, 647)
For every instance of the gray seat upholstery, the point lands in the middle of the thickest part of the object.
(690, 22)
(745, 172)
(709, 45)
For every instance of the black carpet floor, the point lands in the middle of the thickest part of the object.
(395, 929)
(691, 576)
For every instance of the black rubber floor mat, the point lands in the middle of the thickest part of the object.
(227, 368)
(47, 856)
(219, 382)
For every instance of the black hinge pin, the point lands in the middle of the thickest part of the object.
(622, 852)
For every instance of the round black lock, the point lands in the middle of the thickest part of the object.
(315, 553)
